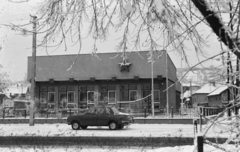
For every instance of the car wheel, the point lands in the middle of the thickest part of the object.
(84, 127)
(112, 125)
(75, 125)
(120, 126)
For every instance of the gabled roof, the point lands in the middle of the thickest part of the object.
(103, 68)
(218, 91)
(206, 89)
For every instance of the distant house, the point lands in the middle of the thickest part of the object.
(14, 92)
(122, 82)
(189, 89)
(199, 98)
(17, 89)
(219, 97)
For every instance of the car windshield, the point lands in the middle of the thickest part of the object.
(115, 111)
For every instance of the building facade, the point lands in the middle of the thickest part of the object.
(71, 81)
(219, 97)
(200, 97)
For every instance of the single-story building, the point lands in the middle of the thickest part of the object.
(71, 81)
(219, 97)
(199, 98)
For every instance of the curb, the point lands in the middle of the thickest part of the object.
(95, 141)
(102, 141)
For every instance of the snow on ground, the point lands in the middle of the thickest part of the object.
(36, 148)
(134, 130)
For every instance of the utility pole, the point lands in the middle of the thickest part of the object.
(34, 46)
(181, 83)
(167, 83)
(152, 97)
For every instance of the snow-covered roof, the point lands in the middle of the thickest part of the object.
(207, 88)
(190, 84)
(218, 90)
(186, 94)
(16, 89)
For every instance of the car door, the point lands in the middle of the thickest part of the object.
(90, 118)
(103, 116)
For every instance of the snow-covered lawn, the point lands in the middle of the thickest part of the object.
(134, 130)
(36, 148)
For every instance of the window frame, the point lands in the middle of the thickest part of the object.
(50, 104)
(91, 102)
(59, 94)
(110, 101)
(43, 100)
(130, 94)
(72, 102)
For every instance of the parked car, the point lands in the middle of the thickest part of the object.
(100, 116)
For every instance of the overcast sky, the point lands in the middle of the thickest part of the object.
(16, 48)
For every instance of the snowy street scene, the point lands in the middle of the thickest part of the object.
(120, 75)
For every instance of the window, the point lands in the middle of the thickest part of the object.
(146, 90)
(112, 96)
(100, 110)
(132, 95)
(90, 96)
(51, 102)
(47, 97)
(103, 89)
(83, 96)
(147, 100)
(124, 95)
(62, 100)
(92, 110)
(43, 100)
(70, 99)
(82, 100)
(86, 95)
(128, 92)
(108, 93)
(66, 97)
